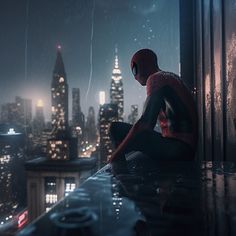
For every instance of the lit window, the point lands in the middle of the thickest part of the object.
(69, 187)
(51, 198)
(48, 209)
(61, 80)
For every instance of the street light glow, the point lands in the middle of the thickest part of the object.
(102, 97)
(40, 103)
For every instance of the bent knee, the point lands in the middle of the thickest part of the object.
(113, 128)
(143, 138)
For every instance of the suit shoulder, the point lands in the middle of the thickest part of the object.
(159, 80)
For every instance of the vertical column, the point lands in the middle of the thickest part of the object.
(207, 75)
(230, 72)
(217, 79)
(200, 89)
(187, 42)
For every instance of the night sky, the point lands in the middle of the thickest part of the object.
(31, 30)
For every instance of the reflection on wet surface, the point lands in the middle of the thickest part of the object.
(186, 198)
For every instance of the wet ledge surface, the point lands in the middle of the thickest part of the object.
(148, 198)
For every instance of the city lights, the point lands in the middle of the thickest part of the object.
(11, 131)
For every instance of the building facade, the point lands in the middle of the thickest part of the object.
(49, 181)
(12, 177)
(77, 114)
(59, 98)
(78, 119)
(18, 113)
(91, 131)
(107, 114)
(24, 111)
(39, 119)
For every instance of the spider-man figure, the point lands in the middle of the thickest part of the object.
(169, 103)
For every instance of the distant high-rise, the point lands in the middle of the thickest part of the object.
(59, 96)
(116, 90)
(25, 110)
(133, 116)
(18, 113)
(77, 114)
(107, 114)
(91, 127)
(9, 113)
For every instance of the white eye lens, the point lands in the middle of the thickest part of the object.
(134, 69)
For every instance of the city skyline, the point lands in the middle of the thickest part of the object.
(27, 58)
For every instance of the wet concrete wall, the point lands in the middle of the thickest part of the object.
(212, 49)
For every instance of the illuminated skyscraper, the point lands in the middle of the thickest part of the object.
(107, 114)
(59, 95)
(133, 116)
(61, 146)
(116, 90)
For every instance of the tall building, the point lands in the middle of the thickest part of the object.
(59, 96)
(91, 136)
(78, 122)
(116, 90)
(24, 111)
(61, 146)
(9, 113)
(12, 177)
(39, 119)
(77, 115)
(52, 177)
(38, 128)
(107, 114)
(133, 116)
(18, 113)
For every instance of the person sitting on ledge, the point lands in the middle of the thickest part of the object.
(169, 103)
